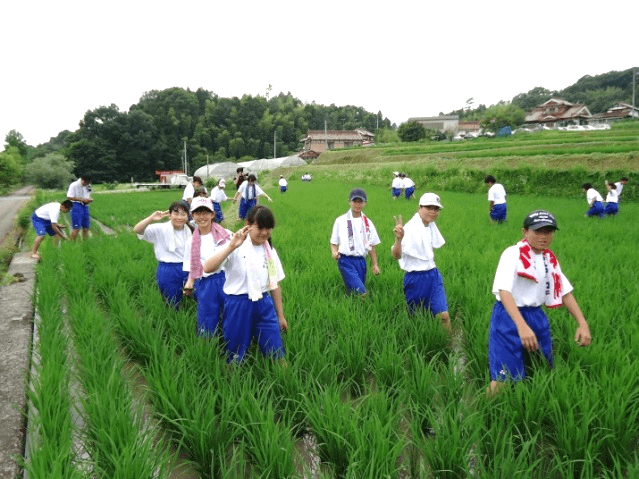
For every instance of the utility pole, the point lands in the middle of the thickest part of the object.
(207, 166)
(274, 144)
(325, 137)
(185, 164)
(634, 75)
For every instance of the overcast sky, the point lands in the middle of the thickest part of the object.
(404, 58)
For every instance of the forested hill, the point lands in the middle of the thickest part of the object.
(118, 146)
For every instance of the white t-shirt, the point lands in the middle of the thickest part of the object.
(497, 194)
(218, 195)
(244, 186)
(162, 236)
(77, 190)
(283, 182)
(189, 191)
(408, 183)
(236, 270)
(208, 247)
(339, 236)
(619, 186)
(525, 292)
(397, 183)
(418, 244)
(50, 212)
(593, 194)
(612, 197)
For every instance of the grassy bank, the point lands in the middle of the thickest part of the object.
(543, 163)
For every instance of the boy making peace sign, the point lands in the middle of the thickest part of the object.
(413, 247)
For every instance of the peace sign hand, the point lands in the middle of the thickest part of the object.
(399, 227)
(158, 215)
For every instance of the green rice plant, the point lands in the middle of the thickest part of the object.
(51, 432)
(268, 442)
(378, 441)
(334, 425)
(116, 437)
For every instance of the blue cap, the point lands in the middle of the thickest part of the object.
(357, 193)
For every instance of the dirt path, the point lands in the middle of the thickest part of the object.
(9, 206)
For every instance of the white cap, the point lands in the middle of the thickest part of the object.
(221, 183)
(430, 199)
(201, 202)
(396, 173)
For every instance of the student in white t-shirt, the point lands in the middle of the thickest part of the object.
(249, 192)
(208, 237)
(528, 277)
(595, 201)
(45, 222)
(414, 247)
(612, 200)
(496, 200)
(253, 306)
(396, 185)
(169, 240)
(189, 190)
(408, 185)
(79, 193)
(353, 238)
(218, 196)
(620, 185)
(283, 184)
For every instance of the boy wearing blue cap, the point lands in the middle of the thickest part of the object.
(528, 276)
(353, 238)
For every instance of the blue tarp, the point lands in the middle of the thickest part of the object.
(504, 131)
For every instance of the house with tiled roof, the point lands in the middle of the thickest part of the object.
(322, 140)
(557, 112)
(618, 111)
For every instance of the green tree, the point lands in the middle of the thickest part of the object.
(10, 166)
(411, 131)
(16, 140)
(534, 97)
(500, 115)
(51, 171)
(386, 135)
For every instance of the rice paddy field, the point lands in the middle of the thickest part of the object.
(368, 392)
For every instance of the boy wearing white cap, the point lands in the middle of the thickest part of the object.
(413, 247)
(217, 197)
(528, 276)
(354, 236)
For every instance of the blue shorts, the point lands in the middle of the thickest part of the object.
(283, 189)
(210, 298)
(498, 212)
(353, 270)
(506, 355)
(395, 192)
(219, 216)
(245, 320)
(80, 217)
(41, 226)
(612, 208)
(245, 207)
(597, 209)
(408, 192)
(425, 289)
(171, 279)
